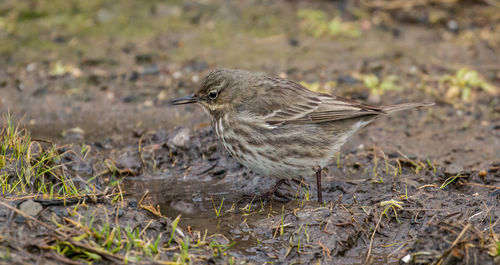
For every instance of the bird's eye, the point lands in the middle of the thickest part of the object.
(213, 94)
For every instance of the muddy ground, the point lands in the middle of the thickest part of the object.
(94, 78)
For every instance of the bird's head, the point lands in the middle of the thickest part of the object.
(221, 90)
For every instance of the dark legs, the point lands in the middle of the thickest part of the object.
(318, 183)
(275, 187)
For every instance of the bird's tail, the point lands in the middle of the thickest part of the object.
(404, 106)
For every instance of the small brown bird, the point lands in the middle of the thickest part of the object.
(277, 127)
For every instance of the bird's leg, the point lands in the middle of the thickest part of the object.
(274, 188)
(318, 183)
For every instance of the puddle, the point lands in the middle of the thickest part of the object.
(197, 204)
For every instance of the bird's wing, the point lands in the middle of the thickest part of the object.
(288, 102)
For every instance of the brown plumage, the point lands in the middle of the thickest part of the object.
(277, 127)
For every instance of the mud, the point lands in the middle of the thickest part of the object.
(111, 92)
(337, 232)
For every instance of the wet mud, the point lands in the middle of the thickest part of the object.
(419, 187)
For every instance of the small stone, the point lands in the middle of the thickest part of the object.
(149, 70)
(181, 138)
(406, 259)
(303, 215)
(453, 170)
(76, 133)
(31, 67)
(177, 75)
(183, 206)
(30, 207)
(162, 95)
(453, 26)
(104, 15)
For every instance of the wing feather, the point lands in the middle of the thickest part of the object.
(287, 102)
(298, 105)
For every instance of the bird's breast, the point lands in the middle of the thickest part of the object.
(256, 146)
(226, 136)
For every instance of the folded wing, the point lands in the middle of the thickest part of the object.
(298, 105)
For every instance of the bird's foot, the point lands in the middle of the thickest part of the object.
(280, 193)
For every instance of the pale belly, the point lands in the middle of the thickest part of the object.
(282, 152)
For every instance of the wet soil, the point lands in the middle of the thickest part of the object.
(113, 95)
(342, 226)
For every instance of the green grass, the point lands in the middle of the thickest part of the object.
(326, 87)
(496, 249)
(72, 29)
(448, 181)
(218, 210)
(32, 167)
(379, 86)
(174, 227)
(95, 237)
(461, 85)
(316, 23)
(391, 204)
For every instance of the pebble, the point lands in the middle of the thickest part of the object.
(182, 206)
(104, 15)
(453, 26)
(181, 138)
(75, 133)
(30, 207)
(31, 67)
(177, 75)
(150, 70)
(453, 170)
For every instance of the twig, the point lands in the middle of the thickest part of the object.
(66, 200)
(325, 249)
(481, 185)
(143, 197)
(440, 260)
(371, 239)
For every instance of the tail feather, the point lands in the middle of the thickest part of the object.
(404, 106)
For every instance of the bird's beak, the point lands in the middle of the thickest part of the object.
(184, 100)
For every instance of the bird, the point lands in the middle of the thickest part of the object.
(278, 128)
